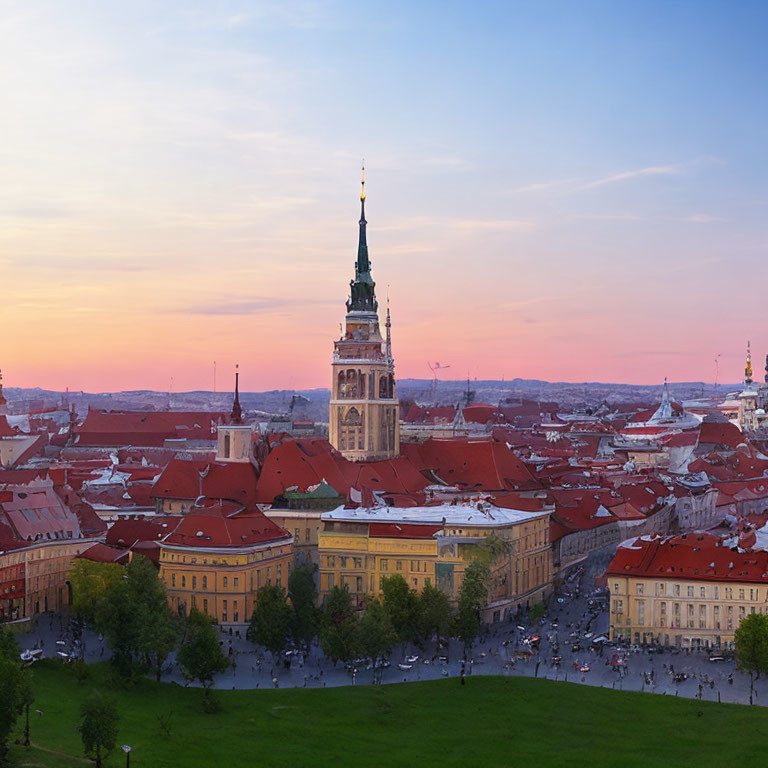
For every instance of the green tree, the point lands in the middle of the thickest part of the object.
(11, 700)
(200, 655)
(303, 594)
(435, 612)
(337, 607)
(375, 634)
(158, 627)
(9, 648)
(401, 604)
(90, 584)
(98, 725)
(271, 619)
(134, 616)
(340, 642)
(473, 595)
(338, 625)
(751, 638)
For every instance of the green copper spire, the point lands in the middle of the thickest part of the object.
(362, 294)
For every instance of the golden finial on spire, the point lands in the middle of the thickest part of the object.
(748, 367)
(362, 193)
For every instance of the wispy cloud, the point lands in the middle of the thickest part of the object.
(538, 187)
(605, 217)
(702, 218)
(254, 306)
(651, 170)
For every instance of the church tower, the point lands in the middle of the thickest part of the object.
(235, 440)
(364, 421)
(748, 398)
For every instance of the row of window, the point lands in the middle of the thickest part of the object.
(355, 583)
(712, 591)
(417, 566)
(688, 616)
(214, 561)
(225, 579)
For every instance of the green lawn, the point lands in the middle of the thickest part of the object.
(488, 722)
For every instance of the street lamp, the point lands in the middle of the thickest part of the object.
(127, 751)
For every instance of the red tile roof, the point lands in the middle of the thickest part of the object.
(147, 428)
(101, 553)
(693, 556)
(189, 479)
(418, 414)
(721, 433)
(471, 464)
(209, 530)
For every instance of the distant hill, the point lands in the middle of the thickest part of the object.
(313, 403)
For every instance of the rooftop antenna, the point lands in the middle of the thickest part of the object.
(435, 369)
(717, 369)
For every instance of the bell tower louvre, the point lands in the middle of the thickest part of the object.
(364, 420)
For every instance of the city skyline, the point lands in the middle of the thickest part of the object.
(581, 199)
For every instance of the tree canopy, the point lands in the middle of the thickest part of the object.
(271, 620)
(98, 725)
(303, 594)
(751, 638)
(435, 612)
(131, 610)
(473, 595)
(401, 604)
(338, 626)
(200, 655)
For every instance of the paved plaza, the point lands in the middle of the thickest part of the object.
(502, 650)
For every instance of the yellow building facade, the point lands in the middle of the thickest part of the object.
(218, 577)
(691, 591)
(682, 613)
(434, 545)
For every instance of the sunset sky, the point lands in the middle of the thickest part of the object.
(572, 191)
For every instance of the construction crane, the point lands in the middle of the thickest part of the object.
(435, 368)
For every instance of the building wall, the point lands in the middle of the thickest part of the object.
(304, 526)
(12, 585)
(678, 612)
(698, 512)
(222, 583)
(521, 573)
(173, 506)
(47, 568)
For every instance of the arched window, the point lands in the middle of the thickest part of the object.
(227, 446)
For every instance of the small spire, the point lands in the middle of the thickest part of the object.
(388, 326)
(362, 191)
(748, 366)
(237, 411)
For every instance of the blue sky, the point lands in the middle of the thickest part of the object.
(564, 190)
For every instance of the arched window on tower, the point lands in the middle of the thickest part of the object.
(352, 430)
(227, 445)
(382, 387)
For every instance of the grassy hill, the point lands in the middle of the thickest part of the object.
(488, 722)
